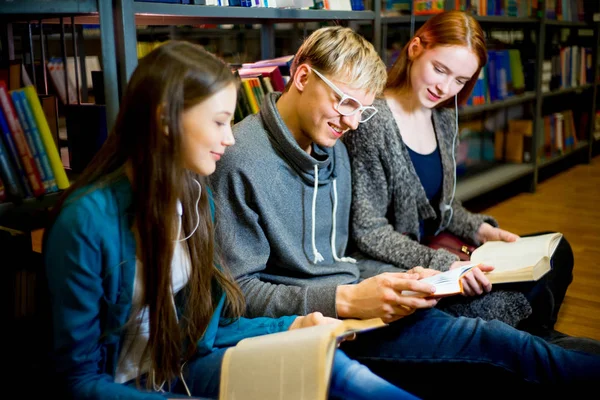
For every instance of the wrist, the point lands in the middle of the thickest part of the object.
(342, 300)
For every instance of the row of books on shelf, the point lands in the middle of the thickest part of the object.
(348, 5)
(513, 142)
(507, 8)
(570, 66)
(501, 78)
(30, 163)
(560, 134)
(566, 10)
(257, 80)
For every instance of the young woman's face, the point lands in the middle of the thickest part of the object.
(207, 131)
(440, 73)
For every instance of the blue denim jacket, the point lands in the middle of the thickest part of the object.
(90, 263)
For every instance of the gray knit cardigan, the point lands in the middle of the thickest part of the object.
(388, 201)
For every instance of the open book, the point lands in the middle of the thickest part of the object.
(446, 283)
(527, 259)
(293, 364)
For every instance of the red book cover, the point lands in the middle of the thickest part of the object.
(31, 170)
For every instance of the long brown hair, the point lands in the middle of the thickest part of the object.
(450, 28)
(147, 138)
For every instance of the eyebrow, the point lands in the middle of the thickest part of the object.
(449, 70)
(225, 112)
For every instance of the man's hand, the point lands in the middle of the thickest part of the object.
(423, 272)
(474, 282)
(487, 232)
(381, 296)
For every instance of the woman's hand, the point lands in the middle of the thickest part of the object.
(317, 318)
(487, 232)
(474, 282)
(312, 319)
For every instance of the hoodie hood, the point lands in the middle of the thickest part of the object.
(287, 147)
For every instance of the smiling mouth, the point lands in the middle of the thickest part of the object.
(338, 131)
(434, 95)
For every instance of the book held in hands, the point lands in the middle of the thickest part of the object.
(293, 364)
(526, 259)
(446, 283)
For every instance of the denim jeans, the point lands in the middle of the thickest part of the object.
(349, 380)
(430, 351)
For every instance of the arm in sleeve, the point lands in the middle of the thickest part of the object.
(371, 198)
(247, 251)
(73, 262)
(229, 334)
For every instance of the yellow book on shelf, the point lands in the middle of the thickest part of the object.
(247, 86)
(527, 259)
(293, 363)
(62, 181)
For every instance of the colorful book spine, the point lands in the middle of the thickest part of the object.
(31, 170)
(14, 154)
(62, 181)
(8, 175)
(33, 139)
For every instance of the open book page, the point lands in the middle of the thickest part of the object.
(293, 364)
(446, 283)
(523, 253)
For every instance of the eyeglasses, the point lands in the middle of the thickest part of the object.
(348, 105)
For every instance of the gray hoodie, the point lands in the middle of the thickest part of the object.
(285, 227)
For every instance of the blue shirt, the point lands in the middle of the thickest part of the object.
(430, 173)
(90, 258)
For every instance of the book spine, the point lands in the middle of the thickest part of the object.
(37, 140)
(33, 175)
(8, 175)
(62, 181)
(28, 134)
(14, 154)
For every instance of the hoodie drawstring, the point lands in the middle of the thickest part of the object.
(317, 256)
(335, 256)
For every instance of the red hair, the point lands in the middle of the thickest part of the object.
(450, 28)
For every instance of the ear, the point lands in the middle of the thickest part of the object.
(415, 48)
(301, 77)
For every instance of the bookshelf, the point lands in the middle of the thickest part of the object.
(539, 29)
(119, 39)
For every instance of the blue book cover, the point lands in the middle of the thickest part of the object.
(37, 141)
(14, 155)
(18, 103)
(8, 175)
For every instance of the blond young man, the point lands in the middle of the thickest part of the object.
(285, 192)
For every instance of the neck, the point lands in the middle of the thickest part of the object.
(406, 102)
(287, 105)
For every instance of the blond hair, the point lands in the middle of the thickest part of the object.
(339, 51)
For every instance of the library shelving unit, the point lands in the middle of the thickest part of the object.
(31, 21)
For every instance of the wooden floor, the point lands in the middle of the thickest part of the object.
(569, 203)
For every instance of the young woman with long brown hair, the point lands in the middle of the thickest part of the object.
(404, 179)
(141, 307)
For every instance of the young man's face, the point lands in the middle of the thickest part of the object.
(320, 121)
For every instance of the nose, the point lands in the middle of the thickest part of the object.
(444, 86)
(228, 139)
(351, 121)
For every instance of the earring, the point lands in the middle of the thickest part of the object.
(166, 131)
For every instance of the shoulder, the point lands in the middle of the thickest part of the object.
(90, 209)
(372, 131)
(444, 117)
